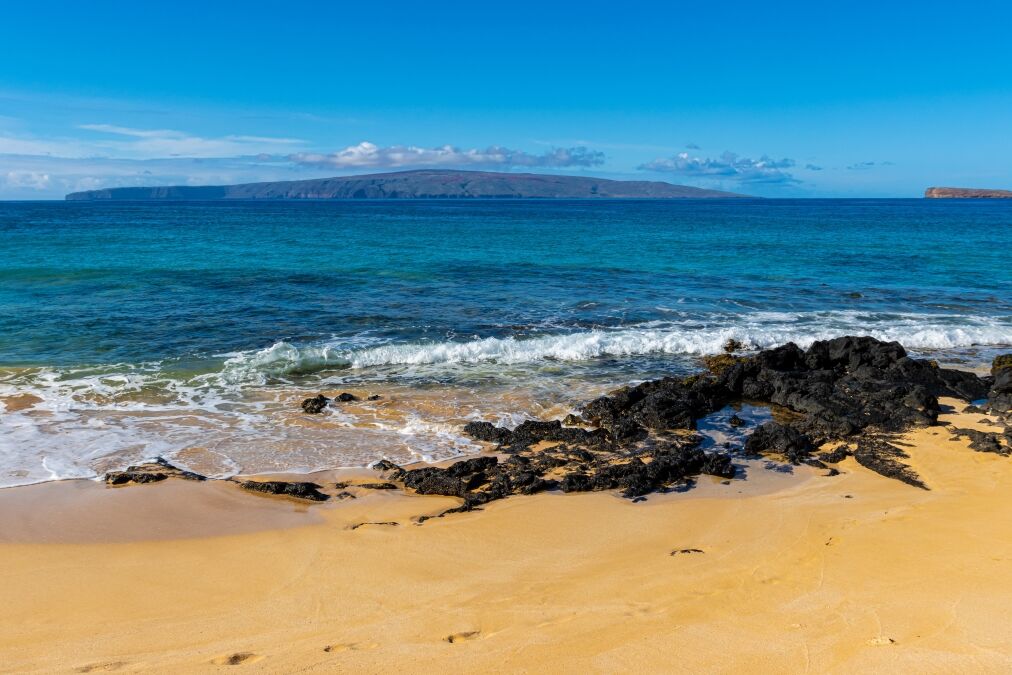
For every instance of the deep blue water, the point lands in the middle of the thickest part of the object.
(111, 313)
(100, 283)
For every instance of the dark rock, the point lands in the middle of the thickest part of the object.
(315, 405)
(836, 390)
(718, 465)
(720, 363)
(735, 421)
(454, 481)
(488, 432)
(374, 397)
(778, 439)
(732, 345)
(377, 486)
(345, 397)
(299, 490)
(151, 472)
(999, 398)
(628, 431)
(836, 456)
(973, 410)
(386, 466)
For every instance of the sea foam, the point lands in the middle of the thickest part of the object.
(758, 330)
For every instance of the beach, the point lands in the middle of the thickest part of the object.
(452, 442)
(781, 573)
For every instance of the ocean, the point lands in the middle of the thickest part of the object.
(193, 330)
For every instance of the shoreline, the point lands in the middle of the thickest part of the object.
(400, 406)
(853, 523)
(823, 573)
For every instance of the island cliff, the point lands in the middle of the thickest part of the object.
(966, 193)
(424, 184)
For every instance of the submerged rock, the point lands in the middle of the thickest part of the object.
(299, 490)
(315, 405)
(151, 472)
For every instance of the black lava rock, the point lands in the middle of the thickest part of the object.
(315, 405)
(775, 438)
(152, 472)
(300, 490)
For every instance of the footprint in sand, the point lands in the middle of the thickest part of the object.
(237, 659)
(686, 551)
(462, 636)
(388, 523)
(102, 667)
(351, 646)
(881, 640)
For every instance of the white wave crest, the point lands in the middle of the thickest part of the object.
(756, 331)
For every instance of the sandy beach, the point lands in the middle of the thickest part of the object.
(775, 573)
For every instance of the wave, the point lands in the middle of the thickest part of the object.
(689, 337)
(240, 409)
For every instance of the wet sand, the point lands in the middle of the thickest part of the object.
(777, 573)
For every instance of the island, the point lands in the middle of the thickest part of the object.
(420, 184)
(966, 193)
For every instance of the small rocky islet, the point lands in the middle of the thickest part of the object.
(850, 396)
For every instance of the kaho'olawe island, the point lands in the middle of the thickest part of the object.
(420, 184)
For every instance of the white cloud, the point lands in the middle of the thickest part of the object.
(368, 155)
(31, 180)
(728, 166)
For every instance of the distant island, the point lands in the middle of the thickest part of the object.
(423, 184)
(966, 193)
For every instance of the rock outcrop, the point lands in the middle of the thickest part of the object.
(150, 472)
(966, 193)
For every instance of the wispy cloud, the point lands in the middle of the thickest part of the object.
(813, 167)
(25, 180)
(729, 166)
(39, 176)
(153, 143)
(692, 146)
(864, 166)
(367, 155)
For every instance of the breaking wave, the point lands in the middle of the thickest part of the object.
(239, 412)
(755, 331)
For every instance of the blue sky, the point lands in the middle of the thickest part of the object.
(771, 98)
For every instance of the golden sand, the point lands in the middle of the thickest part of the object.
(855, 573)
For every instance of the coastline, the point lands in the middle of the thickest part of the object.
(796, 577)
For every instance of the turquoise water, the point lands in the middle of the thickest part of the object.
(189, 329)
